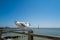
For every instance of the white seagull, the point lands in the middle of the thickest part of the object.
(22, 24)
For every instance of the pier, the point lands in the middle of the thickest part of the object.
(30, 35)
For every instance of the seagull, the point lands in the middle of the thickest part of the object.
(22, 24)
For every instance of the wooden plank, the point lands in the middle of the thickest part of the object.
(30, 37)
(0, 34)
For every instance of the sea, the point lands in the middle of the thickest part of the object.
(47, 31)
(41, 31)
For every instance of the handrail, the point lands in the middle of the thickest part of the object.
(44, 36)
(30, 35)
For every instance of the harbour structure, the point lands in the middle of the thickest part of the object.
(30, 35)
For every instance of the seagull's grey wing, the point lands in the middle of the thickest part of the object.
(23, 25)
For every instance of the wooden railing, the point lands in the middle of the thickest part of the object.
(31, 35)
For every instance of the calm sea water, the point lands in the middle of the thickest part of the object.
(47, 31)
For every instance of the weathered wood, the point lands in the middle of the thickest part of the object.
(30, 37)
(0, 34)
(56, 39)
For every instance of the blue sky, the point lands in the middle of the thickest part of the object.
(46, 13)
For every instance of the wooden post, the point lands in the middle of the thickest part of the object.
(30, 37)
(56, 39)
(0, 34)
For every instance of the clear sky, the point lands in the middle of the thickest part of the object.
(46, 13)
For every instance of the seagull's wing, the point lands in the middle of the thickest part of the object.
(22, 25)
